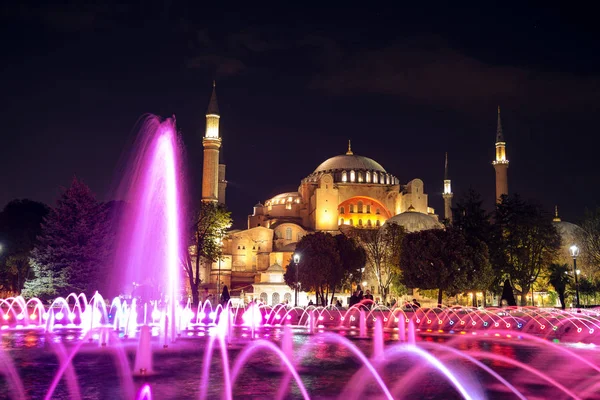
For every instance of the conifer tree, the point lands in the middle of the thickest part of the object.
(72, 252)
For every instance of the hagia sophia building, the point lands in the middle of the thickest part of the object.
(344, 190)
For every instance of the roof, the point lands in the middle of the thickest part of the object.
(213, 106)
(274, 268)
(286, 195)
(414, 221)
(349, 162)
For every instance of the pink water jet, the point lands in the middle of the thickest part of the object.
(149, 247)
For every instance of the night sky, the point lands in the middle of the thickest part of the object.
(405, 84)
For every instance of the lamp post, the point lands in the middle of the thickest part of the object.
(575, 253)
(296, 262)
(218, 297)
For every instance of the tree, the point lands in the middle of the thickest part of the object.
(435, 259)
(352, 261)
(473, 222)
(20, 224)
(589, 237)
(383, 248)
(558, 276)
(205, 242)
(526, 241)
(73, 248)
(319, 263)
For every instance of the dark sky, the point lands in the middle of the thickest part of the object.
(294, 84)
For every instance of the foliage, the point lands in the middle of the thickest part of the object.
(435, 259)
(204, 243)
(20, 224)
(589, 237)
(558, 276)
(73, 248)
(473, 222)
(320, 265)
(352, 259)
(383, 248)
(526, 241)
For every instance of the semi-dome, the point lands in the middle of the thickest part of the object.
(414, 221)
(349, 162)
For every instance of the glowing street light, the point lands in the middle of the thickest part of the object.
(575, 253)
(296, 262)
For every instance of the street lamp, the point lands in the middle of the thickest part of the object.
(296, 261)
(575, 253)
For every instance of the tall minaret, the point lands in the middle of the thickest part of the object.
(212, 144)
(447, 194)
(501, 163)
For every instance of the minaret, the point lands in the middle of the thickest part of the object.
(211, 144)
(556, 217)
(501, 163)
(349, 152)
(447, 194)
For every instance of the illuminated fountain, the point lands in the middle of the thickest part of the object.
(272, 351)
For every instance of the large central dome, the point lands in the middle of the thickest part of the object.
(349, 162)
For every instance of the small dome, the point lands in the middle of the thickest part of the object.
(567, 230)
(259, 204)
(275, 268)
(349, 162)
(414, 221)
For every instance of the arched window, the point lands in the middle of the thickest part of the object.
(368, 209)
(287, 298)
(264, 298)
(375, 177)
(369, 223)
(352, 176)
(288, 233)
(378, 223)
(350, 222)
(360, 222)
(360, 207)
(278, 234)
(342, 210)
(344, 176)
(351, 208)
(368, 177)
(275, 299)
(360, 177)
(387, 179)
(377, 211)
(341, 221)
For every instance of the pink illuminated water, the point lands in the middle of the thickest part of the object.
(149, 241)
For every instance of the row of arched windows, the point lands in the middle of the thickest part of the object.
(368, 224)
(367, 177)
(360, 208)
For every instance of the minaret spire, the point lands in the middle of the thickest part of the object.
(447, 194)
(499, 134)
(213, 105)
(501, 162)
(349, 152)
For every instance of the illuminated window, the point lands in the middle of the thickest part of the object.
(360, 177)
(344, 176)
(360, 206)
(352, 176)
(341, 221)
(288, 233)
(288, 206)
(368, 176)
(351, 208)
(377, 211)
(375, 177)
(278, 234)
(368, 209)
(342, 210)
(377, 223)
(387, 179)
(360, 222)
(369, 223)
(350, 222)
